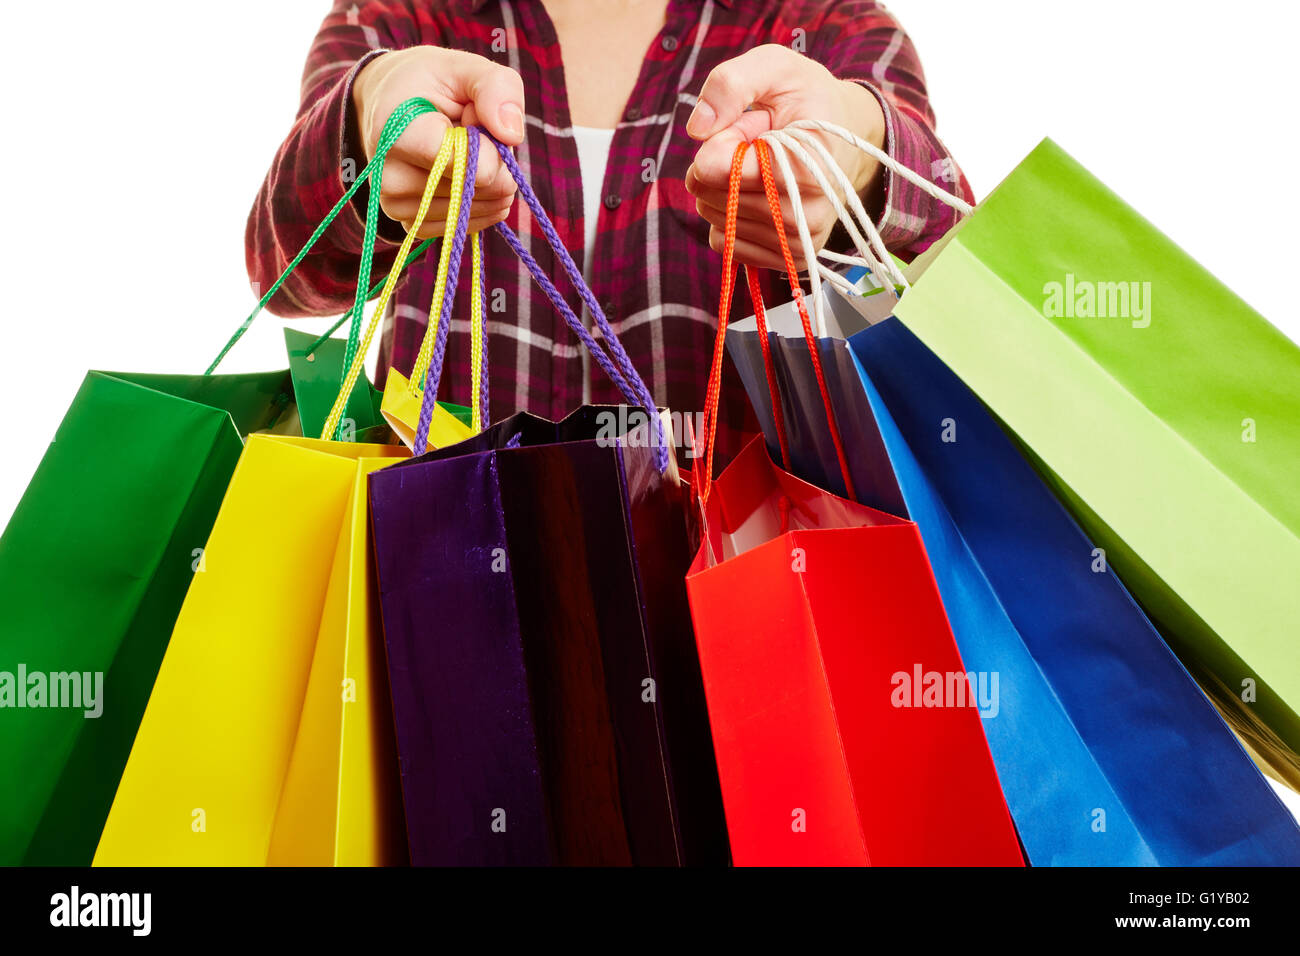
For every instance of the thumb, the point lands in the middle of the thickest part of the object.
(490, 94)
(733, 86)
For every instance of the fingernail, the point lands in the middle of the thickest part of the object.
(512, 120)
(702, 119)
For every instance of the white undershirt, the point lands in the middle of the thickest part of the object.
(593, 156)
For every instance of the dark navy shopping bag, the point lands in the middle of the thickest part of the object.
(1108, 753)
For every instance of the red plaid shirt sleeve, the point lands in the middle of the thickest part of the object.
(312, 170)
(860, 41)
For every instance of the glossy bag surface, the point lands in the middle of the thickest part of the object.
(545, 686)
(846, 726)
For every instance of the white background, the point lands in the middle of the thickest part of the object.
(137, 133)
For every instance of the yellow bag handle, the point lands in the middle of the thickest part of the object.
(455, 147)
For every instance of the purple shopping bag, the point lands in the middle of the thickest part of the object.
(546, 691)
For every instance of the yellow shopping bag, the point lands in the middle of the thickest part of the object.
(401, 409)
(267, 737)
(345, 738)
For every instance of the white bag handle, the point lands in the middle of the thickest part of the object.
(778, 141)
(893, 165)
(801, 225)
(877, 260)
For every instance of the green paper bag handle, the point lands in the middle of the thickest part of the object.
(397, 122)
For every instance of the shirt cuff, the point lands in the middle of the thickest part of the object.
(912, 219)
(351, 162)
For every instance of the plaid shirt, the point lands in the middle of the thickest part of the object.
(652, 269)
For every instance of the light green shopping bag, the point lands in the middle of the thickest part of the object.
(1162, 409)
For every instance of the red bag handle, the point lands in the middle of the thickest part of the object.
(705, 483)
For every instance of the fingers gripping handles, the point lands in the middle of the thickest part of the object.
(614, 361)
(612, 358)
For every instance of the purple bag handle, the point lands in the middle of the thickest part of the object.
(434, 375)
(619, 369)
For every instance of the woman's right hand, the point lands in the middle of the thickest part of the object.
(467, 90)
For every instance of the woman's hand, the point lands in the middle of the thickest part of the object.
(782, 86)
(467, 90)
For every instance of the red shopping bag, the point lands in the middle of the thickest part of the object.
(847, 731)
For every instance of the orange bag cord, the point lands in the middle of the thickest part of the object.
(705, 482)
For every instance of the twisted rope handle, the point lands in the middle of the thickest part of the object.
(792, 273)
(452, 149)
(398, 121)
(441, 305)
(619, 368)
(421, 367)
(704, 483)
(769, 371)
(713, 396)
(478, 335)
(889, 162)
(873, 253)
(880, 263)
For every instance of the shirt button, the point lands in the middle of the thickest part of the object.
(612, 201)
(669, 43)
(634, 113)
(608, 308)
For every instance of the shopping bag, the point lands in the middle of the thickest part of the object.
(1101, 764)
(345, 743)
(94, 565)
(545, 687)
(1168, 762)
(205, 775)
(1162, 409)
(846, 726)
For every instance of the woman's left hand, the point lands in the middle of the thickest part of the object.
(782, 86)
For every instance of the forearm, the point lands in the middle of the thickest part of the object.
(312, 170)
(910, 220)
(315, 165)
(862, 43)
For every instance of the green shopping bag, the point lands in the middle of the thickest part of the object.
(1162, 409)
(94, 565)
